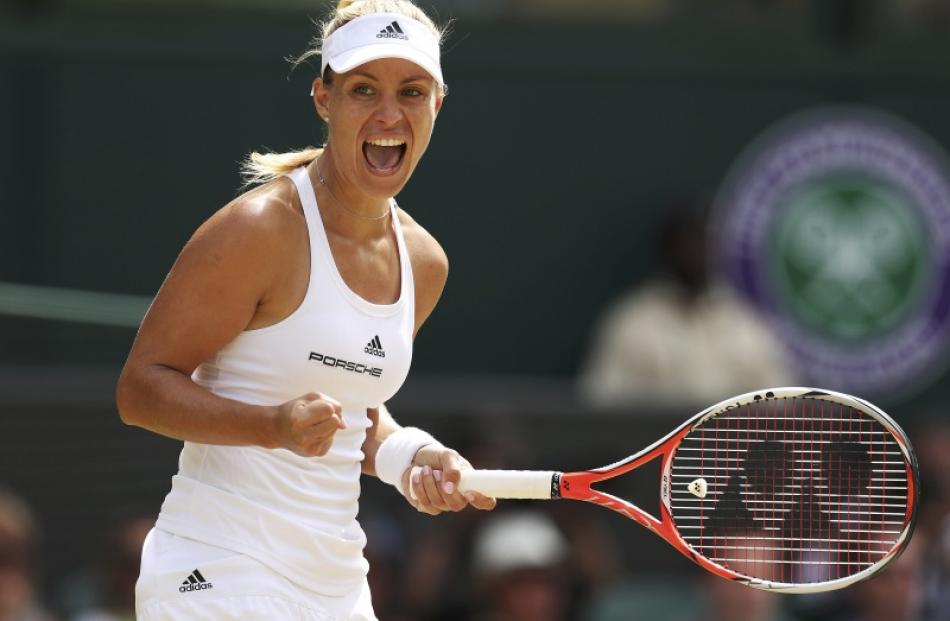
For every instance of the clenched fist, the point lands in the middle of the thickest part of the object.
(306, 425)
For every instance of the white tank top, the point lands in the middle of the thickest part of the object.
(297, 514)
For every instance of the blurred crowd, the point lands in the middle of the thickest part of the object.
(522, 562)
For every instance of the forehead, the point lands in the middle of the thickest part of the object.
(390, 70)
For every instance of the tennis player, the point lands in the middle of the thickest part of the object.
(282, 329)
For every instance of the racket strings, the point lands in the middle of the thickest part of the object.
(798, 490)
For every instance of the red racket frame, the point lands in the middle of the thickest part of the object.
(578, 486)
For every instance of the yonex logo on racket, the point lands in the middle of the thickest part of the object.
(392, 31)
(194, 582)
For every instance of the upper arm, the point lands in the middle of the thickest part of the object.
(212, 291)
(430, 268)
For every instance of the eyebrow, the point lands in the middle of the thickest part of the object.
(421, 77)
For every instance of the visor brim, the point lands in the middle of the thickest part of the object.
(351, 59)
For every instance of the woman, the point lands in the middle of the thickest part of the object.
(285, 324)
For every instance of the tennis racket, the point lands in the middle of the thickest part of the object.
(794, 490)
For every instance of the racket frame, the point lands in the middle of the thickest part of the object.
(578, 486)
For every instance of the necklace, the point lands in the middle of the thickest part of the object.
(339, 203)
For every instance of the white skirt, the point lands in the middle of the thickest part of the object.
(183, 579)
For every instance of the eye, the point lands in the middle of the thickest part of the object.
(363, 89)
(412, 91)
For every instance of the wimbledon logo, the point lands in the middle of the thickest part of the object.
(836, 224)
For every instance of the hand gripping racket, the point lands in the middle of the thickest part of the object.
(788, 489)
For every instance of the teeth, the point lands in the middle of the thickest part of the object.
(387, 142)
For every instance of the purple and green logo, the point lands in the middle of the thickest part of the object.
(836, 225)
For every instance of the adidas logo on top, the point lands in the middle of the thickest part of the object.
(392, 31)
(375, 348)
(195, 582)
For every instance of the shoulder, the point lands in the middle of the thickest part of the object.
(260, 221)
(430, 264)
(269, 210)
(249, 242)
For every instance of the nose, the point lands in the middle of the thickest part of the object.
(389, 112)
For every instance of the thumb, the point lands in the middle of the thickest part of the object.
(451, 466)
(336, 416)
(336, 405)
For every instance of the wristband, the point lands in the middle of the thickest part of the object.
(395, 454)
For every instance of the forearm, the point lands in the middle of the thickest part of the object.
(166, 401)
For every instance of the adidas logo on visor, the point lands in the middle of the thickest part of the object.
(392, 31)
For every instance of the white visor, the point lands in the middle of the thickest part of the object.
(381, 35)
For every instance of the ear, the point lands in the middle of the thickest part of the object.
(321, 98)
(439, 100)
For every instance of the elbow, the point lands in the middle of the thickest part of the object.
(125, 398)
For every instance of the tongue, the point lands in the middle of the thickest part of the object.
(381, 158)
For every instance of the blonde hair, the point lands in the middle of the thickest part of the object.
(263, 167)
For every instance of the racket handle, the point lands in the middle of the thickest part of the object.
(531, 484)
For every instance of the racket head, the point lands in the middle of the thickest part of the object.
(794, 490)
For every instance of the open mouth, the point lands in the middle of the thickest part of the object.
(383, 156)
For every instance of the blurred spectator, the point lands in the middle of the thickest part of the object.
(518, 564)
(18, 597)
(682, 338)
(647, 599)
(386, 551)
(937, 585)
(683, 599)
(726, 600)
(897, 593)
(429, 575)
(113, 583)
(729, 601)
(933, 452)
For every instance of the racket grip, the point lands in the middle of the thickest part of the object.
(530, 484)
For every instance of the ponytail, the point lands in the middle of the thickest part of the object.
(263, 167)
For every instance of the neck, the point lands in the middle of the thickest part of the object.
(343, 207)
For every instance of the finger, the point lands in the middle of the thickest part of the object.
(324, 406)
(420, 499)
(454, 501)
(321, 411)
(430, 491)
(479, 501)
(413, 498)
(322, 429)
(431, 495)
(452, 464)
